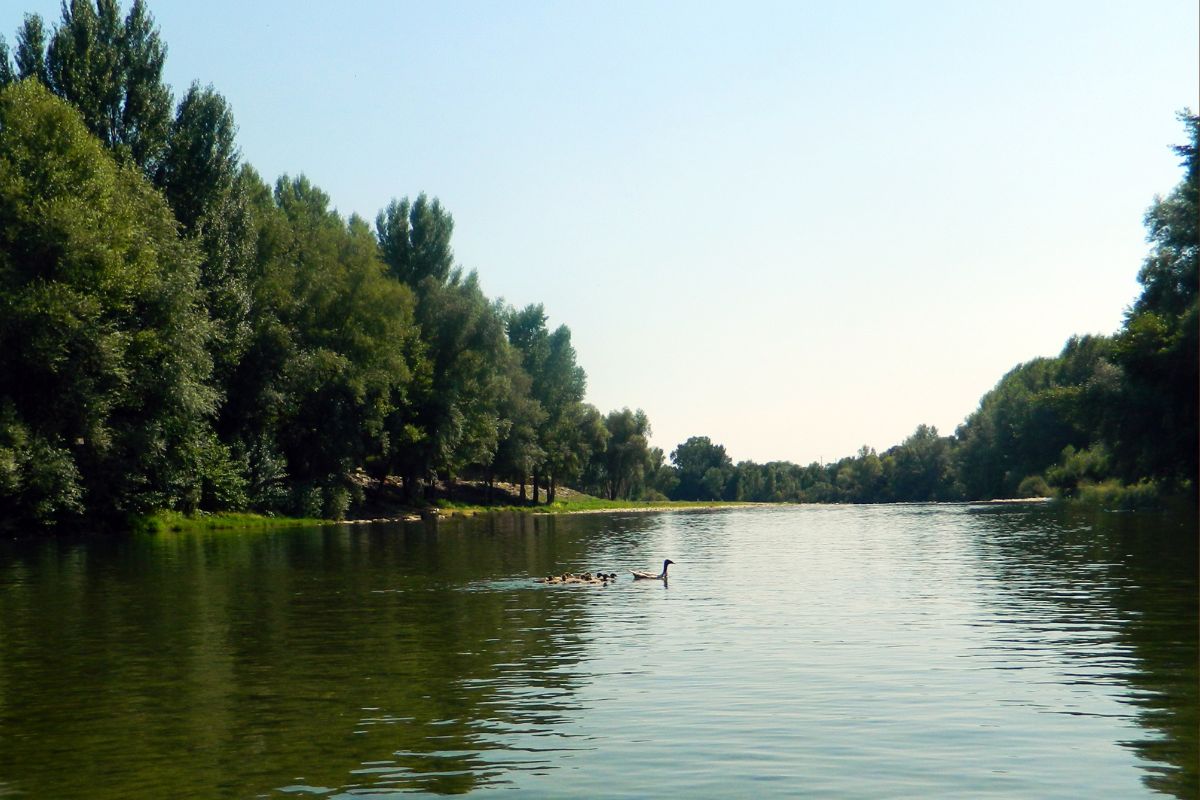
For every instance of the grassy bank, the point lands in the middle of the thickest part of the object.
(1109, 496)
(174, 522)
(1112, 495)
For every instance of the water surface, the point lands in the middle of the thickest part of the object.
(920, 651)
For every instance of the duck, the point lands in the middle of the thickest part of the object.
(638, 575)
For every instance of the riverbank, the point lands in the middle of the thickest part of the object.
(176, 522)
(570, 503)
(471, 498)
(595, 505)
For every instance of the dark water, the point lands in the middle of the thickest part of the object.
(899, 651)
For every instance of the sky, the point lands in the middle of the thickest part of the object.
(796, 228)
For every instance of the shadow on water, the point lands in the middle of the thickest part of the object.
(367, 658)
(1107, 577)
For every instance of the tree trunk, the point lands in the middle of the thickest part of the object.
(524, 499)
(552, 488)
(537, 482)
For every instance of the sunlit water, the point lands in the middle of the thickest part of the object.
(887, 651)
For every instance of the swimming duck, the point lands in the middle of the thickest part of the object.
(647, 576)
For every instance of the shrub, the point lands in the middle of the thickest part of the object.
(1115, 496)
(1034, 486)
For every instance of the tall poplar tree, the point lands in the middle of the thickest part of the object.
(111, 70)
(31, 49)
(199, 175)
(7, 74)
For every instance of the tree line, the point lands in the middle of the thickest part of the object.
(178, 333)
(1116, 413)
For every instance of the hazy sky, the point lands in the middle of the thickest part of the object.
(794, 227)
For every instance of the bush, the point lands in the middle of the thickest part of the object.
(223, 484)
(1034, 486)
(1078, 468)
(1115, 496)
(337, 500)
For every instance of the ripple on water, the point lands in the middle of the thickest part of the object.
(931, 651)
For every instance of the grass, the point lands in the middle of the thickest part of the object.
(1113, 495)
(176, 522)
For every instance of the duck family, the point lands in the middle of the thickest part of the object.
(603, 578)
(595, 579)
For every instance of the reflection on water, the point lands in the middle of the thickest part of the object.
(1117, 595)
(918, 650)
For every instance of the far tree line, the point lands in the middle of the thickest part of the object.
(1117, 412)
(178, 333)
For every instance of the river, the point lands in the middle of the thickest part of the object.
(826, 651)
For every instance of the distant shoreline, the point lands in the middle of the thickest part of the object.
(171, 522)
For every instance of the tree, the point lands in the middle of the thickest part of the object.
(581, 435)
(333, 347)
(7, 75)
(558, 384)
(518, 450)
(84, 61)
(922, 468)
(626, 459)
(662, 478)
(1036, 410)
(526, 331)
(703, 469)
(200, 162)
(31, 50)
(415, 240)
(452, 414)
(1169, 275)
(863, 479)
(571, 429)
(105, 401)
(146, 110)
(454, 420)
(468, 350)
(1154, 431)
(111, 70)
(200, 178)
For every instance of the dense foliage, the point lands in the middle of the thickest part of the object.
(176, 333)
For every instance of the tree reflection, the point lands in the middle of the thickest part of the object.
(370, 658)
(1128, 577)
